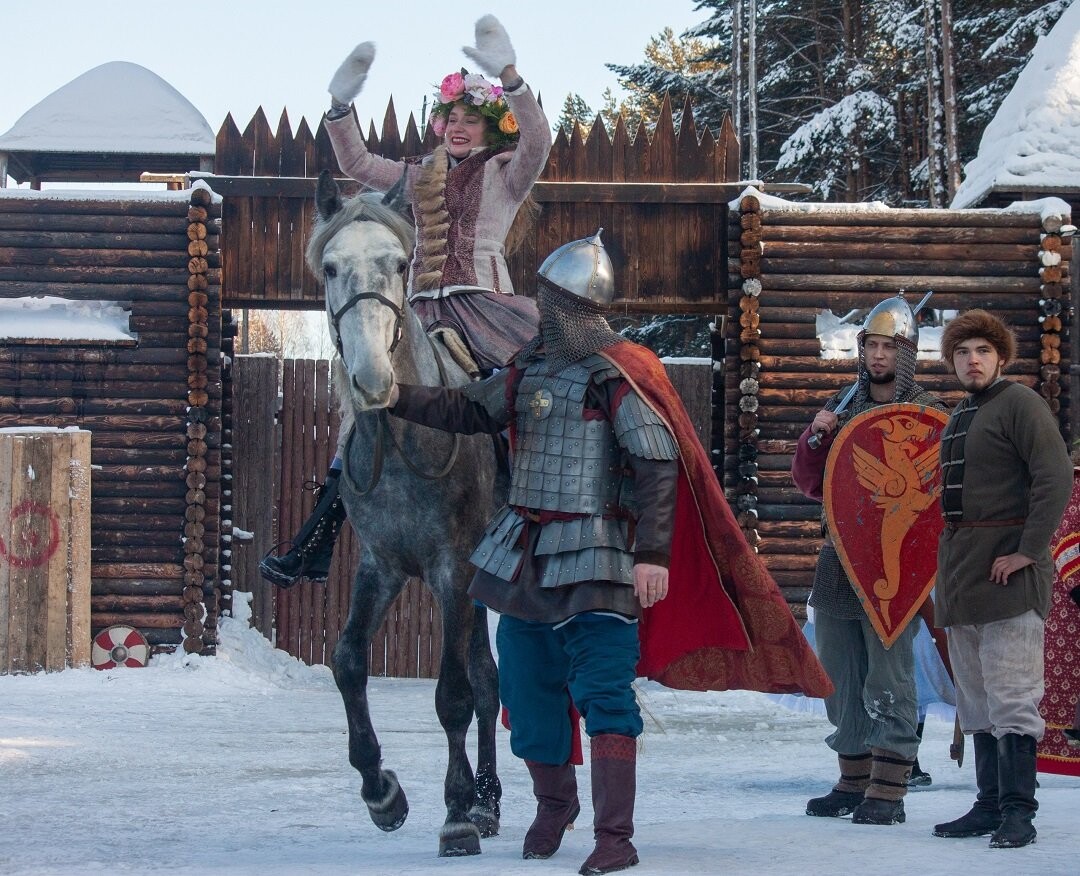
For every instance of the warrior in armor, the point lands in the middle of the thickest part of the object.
(464, 198)
(874, 707)
(581, 547)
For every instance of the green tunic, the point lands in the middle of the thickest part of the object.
(1016, 467)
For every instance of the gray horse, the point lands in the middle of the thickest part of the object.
(418, 499)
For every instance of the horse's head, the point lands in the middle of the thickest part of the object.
(360, 248)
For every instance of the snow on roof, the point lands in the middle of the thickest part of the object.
(100, 194)
(118, 107)
(1033, 142)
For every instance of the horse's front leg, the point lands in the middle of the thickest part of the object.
(484, 677)
(379, 789)
(454, 706)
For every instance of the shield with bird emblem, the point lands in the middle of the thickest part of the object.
(882, 486)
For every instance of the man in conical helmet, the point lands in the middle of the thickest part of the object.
(578, 563)
(875, 706)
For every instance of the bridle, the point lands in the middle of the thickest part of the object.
(383, 424)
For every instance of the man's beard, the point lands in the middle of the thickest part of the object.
(978, 384)
(887, 377)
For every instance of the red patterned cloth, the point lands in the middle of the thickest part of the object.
(725, 624)
(1062, 650)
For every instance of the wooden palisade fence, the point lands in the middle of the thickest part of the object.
(797, 260)
(153, 402)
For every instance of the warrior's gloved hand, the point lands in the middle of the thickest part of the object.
(494, 52)
(351, 75)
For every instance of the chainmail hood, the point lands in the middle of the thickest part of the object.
(571, 328)
(905, 386)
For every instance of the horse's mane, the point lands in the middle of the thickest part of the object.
(366, 207)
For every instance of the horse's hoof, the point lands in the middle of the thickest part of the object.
(390, 811)
(459, 839)
(486, 820)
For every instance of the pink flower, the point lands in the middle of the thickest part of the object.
(452, 88)
(496, 92)
(438, 125)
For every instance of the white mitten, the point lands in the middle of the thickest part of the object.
(494, 52)
(350, 76)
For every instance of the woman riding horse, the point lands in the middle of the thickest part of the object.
(464, 196)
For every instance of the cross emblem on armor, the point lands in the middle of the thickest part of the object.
(539, 403)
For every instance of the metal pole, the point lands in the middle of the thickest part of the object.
(736, 66)
(751, 87)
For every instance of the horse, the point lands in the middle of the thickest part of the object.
(418, 499)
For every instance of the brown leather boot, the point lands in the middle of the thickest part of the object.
(555, 789)
(614, 787)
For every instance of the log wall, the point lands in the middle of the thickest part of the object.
(795, 262)
(152, 404)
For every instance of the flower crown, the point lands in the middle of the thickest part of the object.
(475, 92)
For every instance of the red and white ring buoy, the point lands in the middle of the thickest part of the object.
(119, 646)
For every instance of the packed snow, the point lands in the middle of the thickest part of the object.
(49, 317)
(1033, 141)
(237, 764)
(115, 107)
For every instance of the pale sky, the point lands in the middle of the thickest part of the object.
(235, 55)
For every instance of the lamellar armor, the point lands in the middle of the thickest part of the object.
(572, 477)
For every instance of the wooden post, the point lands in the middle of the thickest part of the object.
(255, 443)
(44, 549)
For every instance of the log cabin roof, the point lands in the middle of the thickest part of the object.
(1032, 145)
(112, 122)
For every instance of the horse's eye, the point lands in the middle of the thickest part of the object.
(329, 271)
(402, 266)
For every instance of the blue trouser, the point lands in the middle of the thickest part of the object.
(591, 658)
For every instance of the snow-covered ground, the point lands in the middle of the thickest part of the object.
(237, 764)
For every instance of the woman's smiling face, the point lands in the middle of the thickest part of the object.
(466, 130)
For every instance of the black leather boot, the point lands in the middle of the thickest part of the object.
(1016, 791)
(848, 792)
(884, 803)
(919, 777)
(985, 816)
(313, 546)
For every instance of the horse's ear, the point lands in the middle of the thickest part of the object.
(395, 198)
(327, 195)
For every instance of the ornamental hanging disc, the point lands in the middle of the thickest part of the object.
(882, 483)
(119, 646)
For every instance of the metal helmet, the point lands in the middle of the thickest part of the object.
(581, 268)
(892, 318)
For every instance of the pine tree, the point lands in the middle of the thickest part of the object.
(575, 114)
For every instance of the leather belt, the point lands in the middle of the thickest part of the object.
(953, 525)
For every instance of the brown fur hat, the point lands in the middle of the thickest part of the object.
(977, 324)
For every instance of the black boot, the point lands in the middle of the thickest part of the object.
(919, 777)
(313, 546)
(985, 816)
(555, 789)
(848, 792)
(1016, 791)
(884, 803)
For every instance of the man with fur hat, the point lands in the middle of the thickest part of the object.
(875, 706)
(1006, 478)
(613, 515)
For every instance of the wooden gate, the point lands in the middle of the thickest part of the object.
(284, 442)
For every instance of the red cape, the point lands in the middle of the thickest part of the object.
(725, 624)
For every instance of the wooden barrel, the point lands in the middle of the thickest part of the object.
(44, 549)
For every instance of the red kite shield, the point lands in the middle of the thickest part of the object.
(882, 482)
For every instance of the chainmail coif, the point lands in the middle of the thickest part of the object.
(571, 328)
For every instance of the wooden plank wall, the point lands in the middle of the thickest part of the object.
(667, 243)
(310, 617)
(136, 397)
(796, 263)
